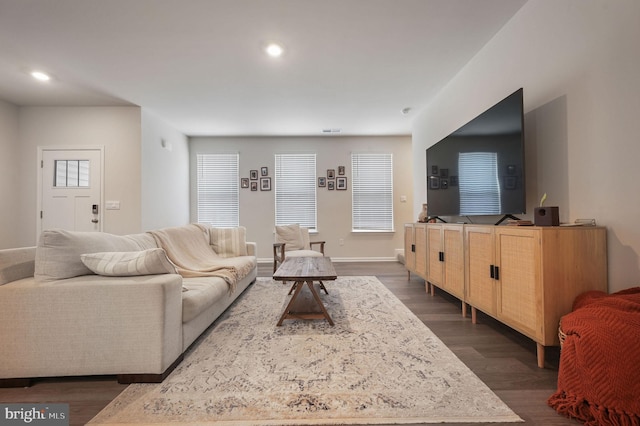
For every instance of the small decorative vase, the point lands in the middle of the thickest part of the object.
(422, 217)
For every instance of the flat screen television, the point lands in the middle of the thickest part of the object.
(478, 170)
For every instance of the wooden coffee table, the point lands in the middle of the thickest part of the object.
(305, 270)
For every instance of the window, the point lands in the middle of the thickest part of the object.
(71, 174)
(372, 192)
(478, 181)
(295, 187)
(217, 189)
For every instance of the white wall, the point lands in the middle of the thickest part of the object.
(257, 208)
(165, 174)
(115, 128)
(10, 189)
(578, 63)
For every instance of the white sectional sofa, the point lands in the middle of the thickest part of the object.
(132, 312)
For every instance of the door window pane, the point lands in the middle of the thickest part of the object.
(71, 173)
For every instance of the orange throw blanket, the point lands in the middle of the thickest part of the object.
(599, 373)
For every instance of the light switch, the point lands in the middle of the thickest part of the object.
(113, 205)
(403, 198)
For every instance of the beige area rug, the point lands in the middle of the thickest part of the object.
(379, 364)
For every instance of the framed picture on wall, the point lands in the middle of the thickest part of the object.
(322, 181)
(264, 171)
(331, 185)
(244, 183)
(341, 170)
(254, 185)
(265, 184)
(331, 173)
(341, 183)
(253, 174)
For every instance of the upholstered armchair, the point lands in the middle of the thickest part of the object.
(293, 240)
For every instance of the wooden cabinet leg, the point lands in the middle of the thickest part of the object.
(433, 290)
(408, 275)
(474, 315)
(464, 310)
(540, 353)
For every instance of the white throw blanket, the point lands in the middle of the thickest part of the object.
(189, 250)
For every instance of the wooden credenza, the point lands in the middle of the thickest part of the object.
(415, 249)
(445, 260)
(525, 277)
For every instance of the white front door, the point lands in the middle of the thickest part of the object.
(71, 189)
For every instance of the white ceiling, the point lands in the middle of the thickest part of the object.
(198, 64)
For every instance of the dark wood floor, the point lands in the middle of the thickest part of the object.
(503, 359)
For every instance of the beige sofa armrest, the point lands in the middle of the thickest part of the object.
(16, 264)
(90, 325)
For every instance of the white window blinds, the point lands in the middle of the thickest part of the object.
(478, 182)
(372, 191)
(217, 189)
(295, 189)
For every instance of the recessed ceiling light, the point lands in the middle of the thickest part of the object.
(274, 50)
(39, 75)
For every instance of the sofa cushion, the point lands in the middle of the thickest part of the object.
(304, 253)
(58, 251)
(229, 242)
(198, 293)
(129, 263)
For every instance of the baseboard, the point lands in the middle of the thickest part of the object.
(344, 259)
(363, 259)
(127, 379)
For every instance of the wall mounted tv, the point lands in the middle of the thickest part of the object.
(478, 170)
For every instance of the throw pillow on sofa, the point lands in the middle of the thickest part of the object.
(58, 251)
(129, 263)
(229, 242)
